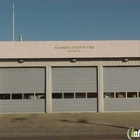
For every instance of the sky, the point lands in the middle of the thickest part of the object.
(67, 20)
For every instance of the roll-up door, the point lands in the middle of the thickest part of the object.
(74, 89)
(121, 88)
(22, 90)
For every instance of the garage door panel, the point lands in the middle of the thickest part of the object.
(23, 80)
(124, 83)
(121, 79)
(19, 84)
(20, 106)
(73, 79)
(74, 105)
(121, 104)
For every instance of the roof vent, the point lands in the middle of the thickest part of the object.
(20, 38)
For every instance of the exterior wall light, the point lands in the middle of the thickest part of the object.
(20, 61)
(73, 60)
(125, 59)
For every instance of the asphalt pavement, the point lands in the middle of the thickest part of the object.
(70, 126)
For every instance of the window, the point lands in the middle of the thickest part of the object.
(39, 96)
(131, 94)
(80, 95)
(109, 95)
(120, 94)
(68, 95)
(4, 96)
(56, 95)
(92, 95)
(17, 96)
(29, 96)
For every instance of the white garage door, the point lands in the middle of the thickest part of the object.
(122, 88)
(74, 89)
(22, 90)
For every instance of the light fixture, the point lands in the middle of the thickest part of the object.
(20, 61)
(125, 59)
(73, 60)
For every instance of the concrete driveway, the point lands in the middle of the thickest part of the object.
(69, 123)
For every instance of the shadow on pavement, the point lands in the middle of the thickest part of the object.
(86, 122)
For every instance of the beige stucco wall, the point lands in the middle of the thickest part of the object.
(70, 49)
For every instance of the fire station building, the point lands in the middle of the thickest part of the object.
(69, 76)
